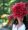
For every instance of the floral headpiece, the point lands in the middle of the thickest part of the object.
(19, 9)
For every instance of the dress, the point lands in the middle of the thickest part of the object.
(22, 27)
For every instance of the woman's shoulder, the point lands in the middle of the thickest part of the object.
(23, 26)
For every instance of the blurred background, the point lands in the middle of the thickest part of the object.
(6, 11)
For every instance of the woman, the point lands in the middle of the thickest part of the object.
(19, 25)
(19, 11)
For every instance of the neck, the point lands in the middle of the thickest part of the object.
(19, 22)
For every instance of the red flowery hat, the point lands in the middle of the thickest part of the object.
(19, 9)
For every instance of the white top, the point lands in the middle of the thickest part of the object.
(22, 27)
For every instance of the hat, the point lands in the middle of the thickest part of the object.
(19, 9)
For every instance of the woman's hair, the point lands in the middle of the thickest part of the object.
(15, 21)
(24, 20)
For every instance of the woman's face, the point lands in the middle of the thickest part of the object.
(20, 19)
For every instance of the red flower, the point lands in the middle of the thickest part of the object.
(10, 17)
(27, 7)
(19, 9)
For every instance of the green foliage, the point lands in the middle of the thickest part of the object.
(6, 4)
(1, 21)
